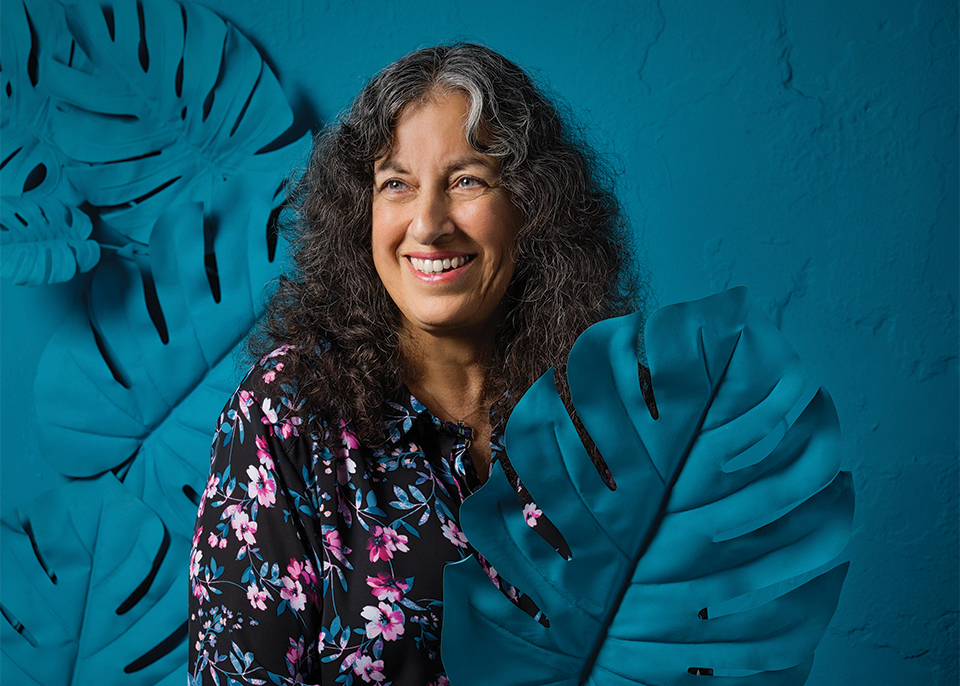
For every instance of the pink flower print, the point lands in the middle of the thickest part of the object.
(289, 427)
(200, 592)
(368, 668)
(386, 587)
(347, 437)
(295, 651)
(246, 400)
(269, 414)
(453, 534)
(294, 568)
(384, 542)
(261, 486)
(335, 546)
(345, 467)
(269, 377)
(212, 540)
(491, 572)
(195, 564)
(246, 530)
(531, 513)
(257, 597)
(282, 350)
(292, 592)
(263, 453)
(309, 575)
(384, 621)
(211, 489)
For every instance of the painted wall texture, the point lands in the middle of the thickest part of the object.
(805, 149)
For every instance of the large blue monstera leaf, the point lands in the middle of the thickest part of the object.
(709, 556)
(154, 102)
(91, 559)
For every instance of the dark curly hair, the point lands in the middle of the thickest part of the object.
(573, 253)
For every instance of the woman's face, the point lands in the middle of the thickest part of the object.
(443, 228)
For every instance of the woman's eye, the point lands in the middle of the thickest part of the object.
(469, 183)
(394, 185)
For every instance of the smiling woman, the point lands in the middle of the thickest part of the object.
(452, 240)
(444, 228)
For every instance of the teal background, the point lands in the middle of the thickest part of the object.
(805, 149)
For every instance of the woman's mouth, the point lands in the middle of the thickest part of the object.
(432, 267)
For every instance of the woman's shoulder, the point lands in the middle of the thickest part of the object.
(271, 399)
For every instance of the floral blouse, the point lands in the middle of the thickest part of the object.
(315, 567)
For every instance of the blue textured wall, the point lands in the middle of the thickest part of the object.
(804, 148)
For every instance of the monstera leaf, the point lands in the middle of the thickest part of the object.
(167, 100)
(99, 598)
(44, 243)
(135, 383)
(30, 164)
(708, 556)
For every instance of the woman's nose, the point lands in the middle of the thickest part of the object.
(431, 219)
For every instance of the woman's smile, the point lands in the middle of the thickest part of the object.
(439, 264)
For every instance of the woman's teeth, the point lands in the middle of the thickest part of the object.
(439, 266)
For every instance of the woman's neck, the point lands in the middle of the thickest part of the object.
(448, 375)
(450, 372)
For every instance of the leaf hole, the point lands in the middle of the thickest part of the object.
(103, 209)
(122, 469)
(178, 81)
(32, 62)
(111, 24)
(9, 89)
(700, 671)
(106, 352)
(163, 648)
(153, 153)
(273, 233)
(144, 586)
(210, 256)
(703, 614)
(10, 156)
(20, 219)
(142, 52)
(243, 110)
(28, 530)
(35, 177)
(563, 389)
(152, 302)
(291, 135)
(183, 114)
(193, 496)
(646, 389)
(73, 50)
(213, 276)
(17, 626)
(207, 106)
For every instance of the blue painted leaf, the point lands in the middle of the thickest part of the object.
(30, 163)
(46, 243)
(161, 100)
(707, 557)
(90, 581)
(112, 389)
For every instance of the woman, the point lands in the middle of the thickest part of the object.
(452, 242)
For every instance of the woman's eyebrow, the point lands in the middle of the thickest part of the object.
(389, 164)
(392, 165)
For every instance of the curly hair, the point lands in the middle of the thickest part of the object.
(573, 253)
